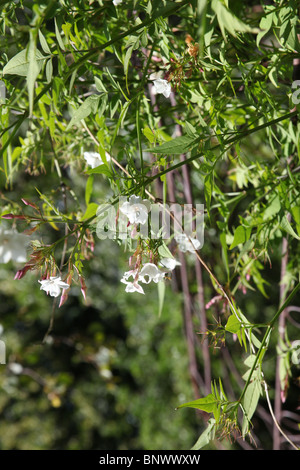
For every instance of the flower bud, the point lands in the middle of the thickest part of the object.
(13, 216)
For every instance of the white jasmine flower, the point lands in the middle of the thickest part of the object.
(186, 243)
(94, 159)
(129, 274)
(150, 272)
(53, 285)
(155, 75)
(117, 2)
(12, 246)
(134, 287)
(169, 263)
(162, 86)
(136, 209)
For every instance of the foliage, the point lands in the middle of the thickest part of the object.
(186, 102)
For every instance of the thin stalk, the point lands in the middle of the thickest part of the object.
(281, 332)
(138, 131)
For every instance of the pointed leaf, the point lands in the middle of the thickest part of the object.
(286, 226)
(176, 146)
(207, 436)
(44, 43)
(88, 106)
(19, 64)
(207, 404)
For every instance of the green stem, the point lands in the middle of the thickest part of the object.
(138, 131)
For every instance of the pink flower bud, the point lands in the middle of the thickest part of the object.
(21, 273)
(28, 203)
(63, 297)
(83, 287)
(13, 216)
(29, 231)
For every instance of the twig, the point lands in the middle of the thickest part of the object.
(275, 420)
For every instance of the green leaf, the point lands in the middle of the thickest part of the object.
(207, 404)
(254, 340)
(265, 26)
(176, 146)
(58, 36)
(44, 43)
(286, 226)
(90, 211)
(164, 251)
(49, 70)
(208, 188)
(273, 208)
(33, 71)
(224, 252)
(149, 134)
(249, 361)
(161, 288)
(89, 189)
(241, 235)
(19, 64)
(295, 211)
(207, 436)
(88, 106)
(250, 401)
(99, 85)
(233, 324)
(99, 170)
(126, 64)
(229, 22)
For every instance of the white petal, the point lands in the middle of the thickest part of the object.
(54, 290)
(155, 76)
(187, 244)
(150, 272)
(162, 86)
(45, 283)
(135, 200)
(125, 208)
(136, 212)
(134, 287)
(16, 368)
(169, 263)
(63, 285)
(128, 274)
(93, 159)
(141, 215)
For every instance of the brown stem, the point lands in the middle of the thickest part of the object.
(187, 188)
(196, 379)
(282, 319)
